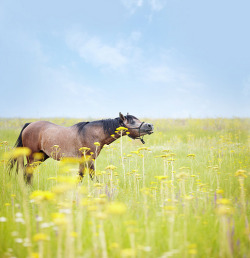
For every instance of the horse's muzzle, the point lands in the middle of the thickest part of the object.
(148, 128)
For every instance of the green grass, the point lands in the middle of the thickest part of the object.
(183, 215)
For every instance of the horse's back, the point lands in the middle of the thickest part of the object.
(32, 134)
(65, 137)
(43, 135)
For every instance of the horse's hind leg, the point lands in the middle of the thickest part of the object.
(29, 168)
(28, 171)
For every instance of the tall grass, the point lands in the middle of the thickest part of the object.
(184, 194)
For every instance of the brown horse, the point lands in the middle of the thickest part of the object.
(41, 136)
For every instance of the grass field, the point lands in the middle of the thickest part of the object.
(185, 193)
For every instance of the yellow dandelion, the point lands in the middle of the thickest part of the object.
(160, 178)
(97, 144)
(40, 237)
(143, 148)
(116, 208)
(61, 188)
(59, 219)
(21, 151)
(135, 152)
(128, 252)
(224, 210)
(182, 175)
(189, 197)
(51, 178)
(219, 191)
(114, 245)
(111, 167)
(241, 173)
(98, 185)
(100, 215)
(73, 234)
(39, 196)
(35, 255)
(121, 128)
(164, 156)
(223, 201)
(38, 155)
(84, 149)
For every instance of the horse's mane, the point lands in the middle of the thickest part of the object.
(109, 125)
(80, 126)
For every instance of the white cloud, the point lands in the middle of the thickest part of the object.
(164, 74)
(132, 5)
(125, 56)
(157, 5)
(94, 51)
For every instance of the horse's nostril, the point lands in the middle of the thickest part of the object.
(150, 126)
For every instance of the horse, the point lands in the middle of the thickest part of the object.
(42, 136)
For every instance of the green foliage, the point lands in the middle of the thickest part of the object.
(181, 196)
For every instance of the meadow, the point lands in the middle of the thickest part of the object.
(185, 193)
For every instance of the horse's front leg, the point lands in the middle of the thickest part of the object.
(86, 167)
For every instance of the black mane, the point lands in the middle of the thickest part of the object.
(130, 118)
(80, 126)
(109, 125)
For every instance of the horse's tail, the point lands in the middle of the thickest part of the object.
(19, 143)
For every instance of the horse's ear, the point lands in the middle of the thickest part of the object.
(121, 116)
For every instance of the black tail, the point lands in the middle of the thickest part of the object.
(19, 143)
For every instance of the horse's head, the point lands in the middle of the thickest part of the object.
(136, 128)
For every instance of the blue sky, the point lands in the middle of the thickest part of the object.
(151, 58)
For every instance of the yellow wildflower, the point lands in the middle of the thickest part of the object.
(73, 234)
(241, 173)
(182, 175)
(111, 167)
(59, 219)
(40, 237)
(121, 128)
(114, 245)
(21, 151)
(84, 149)
(224, 210)
(223, 201)
(219, 191)
(161, 177)
(116, 208)
(129, 252)
(39, 196)
(38, 155)
(35, 255)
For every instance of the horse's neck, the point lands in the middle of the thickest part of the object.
(109, 139)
